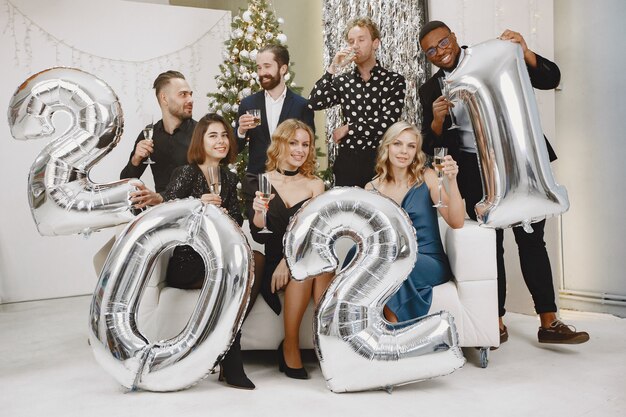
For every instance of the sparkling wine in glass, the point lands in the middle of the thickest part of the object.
(347, 60)
(148, 131)
(215, 180)
(445, 91)
(256, 113)
(439, 155)
(265, 187)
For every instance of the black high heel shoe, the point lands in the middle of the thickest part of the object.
(231, 367)
(295, 373)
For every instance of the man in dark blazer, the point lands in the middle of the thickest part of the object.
(276, 102)
(442, 50)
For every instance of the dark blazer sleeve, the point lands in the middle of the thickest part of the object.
(428, 93)
(546, 76)
(308, 115)
(300, 110)
(244, 105)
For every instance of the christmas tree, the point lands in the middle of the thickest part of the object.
(252, 29)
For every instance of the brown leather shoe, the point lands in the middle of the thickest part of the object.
(559, 332)
(504, 336)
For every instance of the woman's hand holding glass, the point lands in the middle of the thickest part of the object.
(265, 194)
(450, 167)
(260, 205)
(211, 199)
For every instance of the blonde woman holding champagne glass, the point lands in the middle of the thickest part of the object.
(290, 170)
(401, 175)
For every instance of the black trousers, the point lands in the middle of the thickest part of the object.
(354, 167)
(533, 255)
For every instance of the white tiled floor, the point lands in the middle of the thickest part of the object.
(47, 369)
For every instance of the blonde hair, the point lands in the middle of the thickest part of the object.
(363, 22)
(279, 148)
(383, 166)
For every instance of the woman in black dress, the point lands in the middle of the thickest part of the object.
(212, 144)
(290, 167)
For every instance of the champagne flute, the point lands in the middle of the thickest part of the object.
(215, 180)
(445, 91)
(439, 154)
(148, 131)
(256, 113)
(345, 62)
(265, 187)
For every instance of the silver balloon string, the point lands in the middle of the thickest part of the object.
(399, 23)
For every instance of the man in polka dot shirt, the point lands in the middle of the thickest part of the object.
(371, 100)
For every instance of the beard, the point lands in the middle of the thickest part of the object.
(182, 113)
(269, 82)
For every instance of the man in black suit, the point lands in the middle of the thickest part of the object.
(441, 48)
(276, 102)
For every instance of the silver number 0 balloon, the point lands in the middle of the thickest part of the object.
(357, 348)
(62, 198)
(183, 360)
(518, 183)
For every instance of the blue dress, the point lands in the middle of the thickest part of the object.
(432, 268)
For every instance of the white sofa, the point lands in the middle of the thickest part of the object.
(471, 298)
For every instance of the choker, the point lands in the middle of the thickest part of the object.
(288, 173)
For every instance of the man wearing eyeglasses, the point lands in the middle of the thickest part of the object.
(440, 45)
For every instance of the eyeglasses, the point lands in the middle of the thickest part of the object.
(444, 43)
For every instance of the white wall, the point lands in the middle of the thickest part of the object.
(476, 21)
(118, 41)
(590, 120)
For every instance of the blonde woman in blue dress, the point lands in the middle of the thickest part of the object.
(401, 175)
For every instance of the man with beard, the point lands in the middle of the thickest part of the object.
(371, 100)
(171, 135)
(276, 102)
(440, 45)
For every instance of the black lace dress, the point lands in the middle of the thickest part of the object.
(186, 267)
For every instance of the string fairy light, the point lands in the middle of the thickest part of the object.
(23, 31)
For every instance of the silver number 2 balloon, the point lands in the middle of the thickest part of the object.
(183, 360)
(518, 183)
(62, 198)
(357, 348)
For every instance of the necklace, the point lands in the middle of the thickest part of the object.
(288, 173)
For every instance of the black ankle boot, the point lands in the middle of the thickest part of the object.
(231, 367)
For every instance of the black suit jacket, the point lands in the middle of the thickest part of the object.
(545, 77)
(294, 107)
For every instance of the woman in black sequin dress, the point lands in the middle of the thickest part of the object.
(212, 144)
(290, 167)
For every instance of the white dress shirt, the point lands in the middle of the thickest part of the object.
(273, 108)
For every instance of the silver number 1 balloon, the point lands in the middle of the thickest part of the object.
(63, 200)
(357, 348)
(518, 183)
